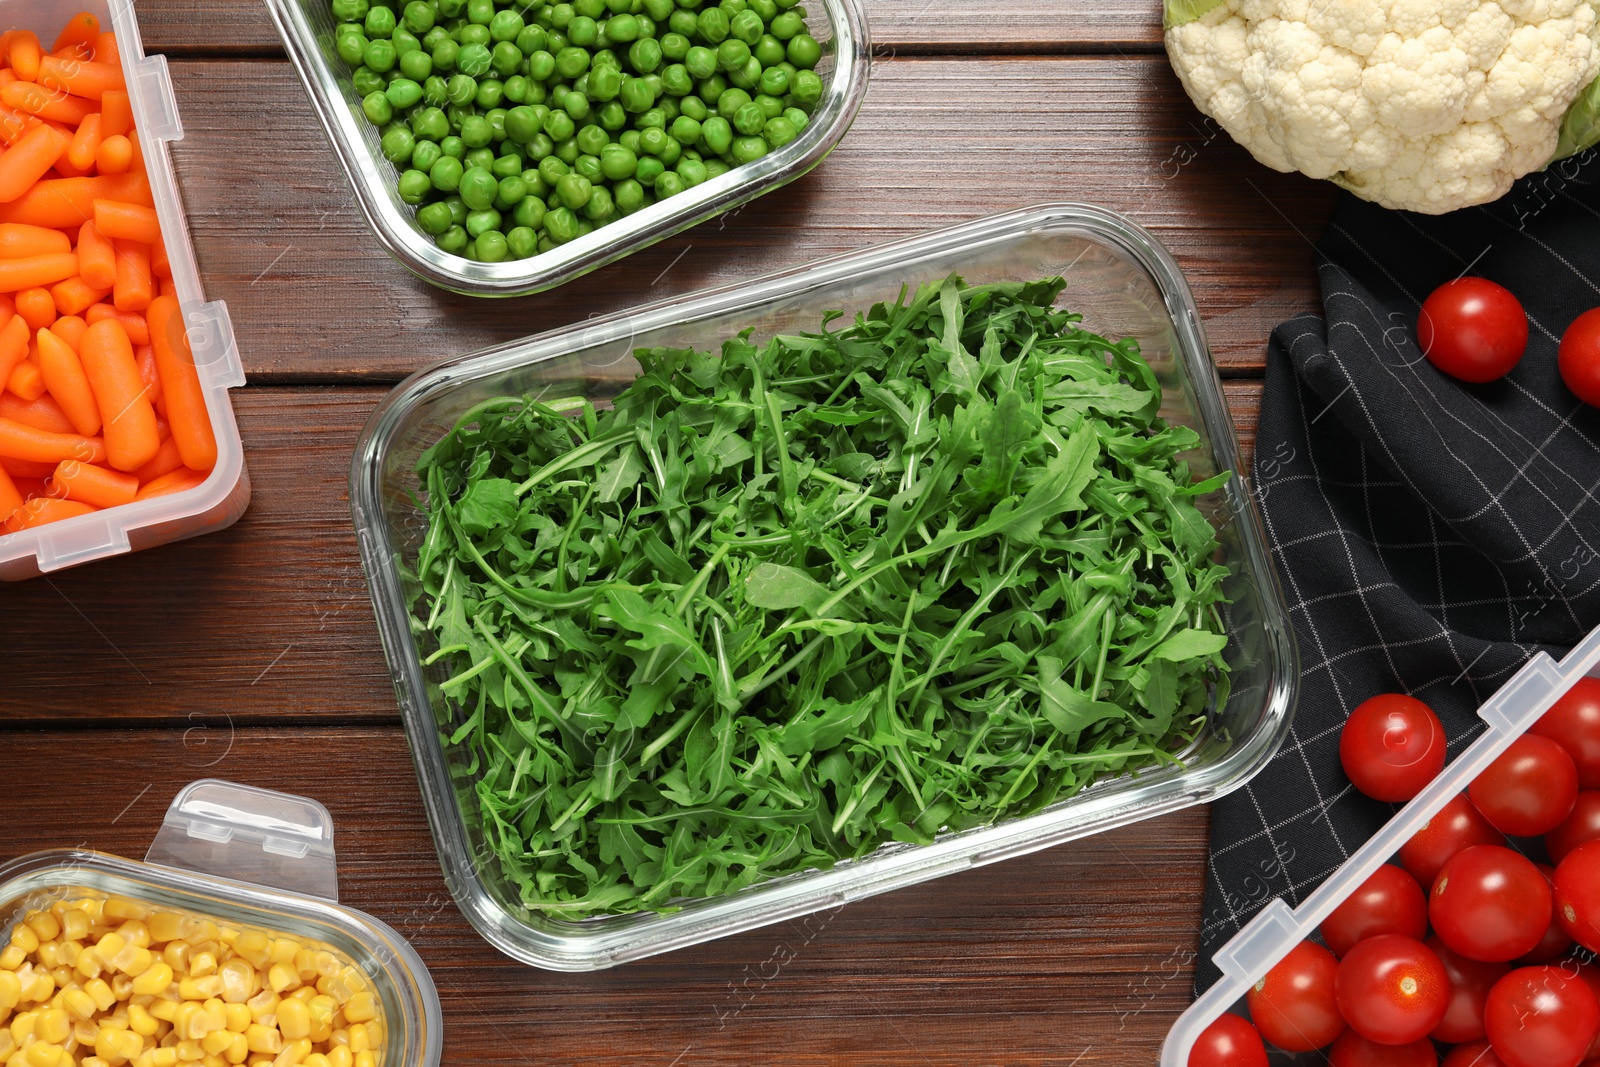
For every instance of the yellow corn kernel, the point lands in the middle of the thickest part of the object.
(360, 1041)
(254, 948)
(41, 989)
(190, 1051)
(202, 964)
(122, 986)
(64, 977)
(108, 947)
(259, 1060)
(46, 1054)
(293, 1052)
(238, 981)
(164, 926)
(22, 1025)
(263, 1004)
(68, 952)
(236, 1017)
(120, 908)
(74, 924)
(305, 965)
(154, 979)
(84, 1032)
(135, 960)
(201, 930)
(88, 964)
(266, 1039)
(216, 1014)
(141, 1022)
(137, 932)
(96, 1061)
(10, 990)
(283, 977)
(238, 1050)
(79, 1004)
(316, 1059)
(53, 1025)
(339, 1056)
(365, 1059)
(8, 1044)
(200, 988)
(361, 1007)
(218, 1041)
(49, 954)
(283, 949)
(190, 1021)
(118, 1046)
(23, 937)
(11, 957)
(45, 925)
(294, 1020)
(176, 956)
(161, 1057)
(165, 1010)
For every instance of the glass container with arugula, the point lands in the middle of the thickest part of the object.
(721, 612)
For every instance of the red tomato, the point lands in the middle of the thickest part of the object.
(1392, 989)
(1474, 1054)
(1294, 1005)
(1579, 357)
(1229, 1042)
(1458, 825)
(1555, 942)
(1390, 902)
(1472, 329)
(1490, 903)
(1470, 982)
(1582, 826)
(1353, 1050)
(1577, 896)
(1391, 746)
(1591, 976)
(1529, 789)
(1541, 1017)
(1573, 722)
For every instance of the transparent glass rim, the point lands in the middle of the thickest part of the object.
(1098, 807)
(392, 222)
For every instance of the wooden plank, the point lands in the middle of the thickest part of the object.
(938, 141)
(222, 27)
(1084, 949)
(266, 622)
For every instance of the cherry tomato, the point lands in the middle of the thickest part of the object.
(1353, 1050)
(1472, 329)
(1458, 825)
(1541, 1017)
(1579, 357)
(1573, 722)
(1577, 896)
(1230, 1041)
(1391, 746)
(1470, 982)
(1490, 903)
(1473, 1054)
(1392, 989)
(1529, 789)
(1591, 976)
(1555, 942)
(1390, 902)
(1294, 1005)
(1581, 827)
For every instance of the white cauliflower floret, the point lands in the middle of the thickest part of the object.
(1427, 105)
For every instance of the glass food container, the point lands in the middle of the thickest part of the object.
(253, 858)
(307, 28)
(219, 500)
(1121, 280)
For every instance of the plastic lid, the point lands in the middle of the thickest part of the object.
(249, 834)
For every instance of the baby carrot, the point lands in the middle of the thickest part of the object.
(175, 482)
(180, 385)
(134, 287)
(97, 259)
(168, 287)
(64, 376)
(93, 485)
(45, 103)
(81, 28)
(134, 322)
(37, 307)
(30, 271)
(116, 113)
(42, 414)
(114, 154)
(18, 441)
(14, 123)
(64, 203)
(26, 380)
(132, 222)
(23, 468)
(85, 142)
(13, 346)
(105, 48)
(10, 499)
(150, 374)
(130, 421)
(24, 54)
(70, 328)
(25, 162)
(74, 295)
(80, 77)
(160, 265)
(41, 510)
(17, 240)
(167, 460)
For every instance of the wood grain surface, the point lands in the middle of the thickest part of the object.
(252, 654)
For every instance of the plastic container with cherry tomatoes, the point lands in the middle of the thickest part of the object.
(1278, 931)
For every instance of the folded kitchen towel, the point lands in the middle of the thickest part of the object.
(1430, 536)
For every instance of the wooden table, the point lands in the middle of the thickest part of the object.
(252, 654)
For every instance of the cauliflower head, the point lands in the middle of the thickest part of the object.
(1425, 105)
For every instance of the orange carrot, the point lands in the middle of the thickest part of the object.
(116, 113)
(97, 258)
(133, 222)
(81, 28)
(66, 203)
(30, 488)
(85, 142)
(45, 103)
(13, 346)
(8, 308)
(10, 498)
(133, 321)
(26, 381)
(80, 77)
(167, 460)
(94, 485)
(70, 328)
(24, 442)
(160, 265)
(150, 373)
(71, 53)
(64, 376)
(25, 162)
(134, 287)
(41, 510)
(24, 54)
(37, 308)
(17, 240)
(174, 482)
(7, 76)
(130, 421)
(74, 295)
(105, 48)
(14, 123)
(42, 414)
(180, 385)
(114, 154)
(23, 468)
(169, 287)
(64, 167)
(30, 271)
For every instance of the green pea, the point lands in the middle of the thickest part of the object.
(451, 8)
(617, 162)
(540, 146)
(572, 61)
(584, 31)
(414, 187)
(711, 89)
(636, 95)
(729, 102)
(458, 210)
(416, 65)
(349, 10)
(797, 118)
(478, 189)
(476, 131)
(445, 55)
(471, 33)
(733, 7)
(559, 126)
(419, 16)
(674, 47)
(522, 123)
(478, 157)
(433, 219)
(561, 224)
(446, 174)
(767, 9)
(779, 132)
(769, 51)
(749, 119)
(377, 108)
(509, 165)
(461, 89)
(645, 55)
(717, 133)
(692, 172)
(671, 153)
(747, 27)
(748, 149)
(561, 16)
(555, 41)
(522, 242)
(612, 116)
(425, 154)
(529, 40)
(397, 144)
(629, 139)
(660, 10)
(589, 167)
(787, 25)
(747, 77)
(483, 220)
(452, 146)
(380, 22)
(804, 51)
(604, 84)
(712, 25)
(599, 205)
(496, 118)
(434, 37)
(700, 62)
(622, 28)
(650, 168)
(480, 12)
(504, 59)
(574, 190)
(474, 60)
(352, 47)
(731, 54)
(807, 87)
(771, 107)
(694, 107)
(403, 93)
(454, 240)
(541, 65)
(653, 141)
(683, 23)
(505, 26)
(668, 184)
(716, 168)
(511, 193)
(435, 91)
(685, 129)
(593, 9)
(379, 56)
(366, 82)
(529, 211)
(655, 119)
(490, 246)
(489, 93)
(628, 196)
(515, 89)
(591, 139)
(405, 42)
(553, 170)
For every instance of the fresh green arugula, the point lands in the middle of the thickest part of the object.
(780, 606)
